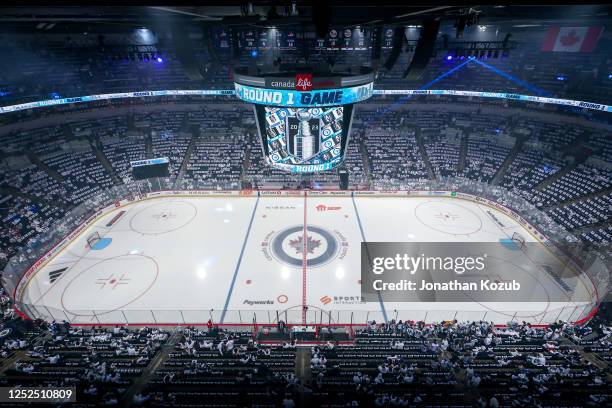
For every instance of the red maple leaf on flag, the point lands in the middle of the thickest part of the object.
(569, 39)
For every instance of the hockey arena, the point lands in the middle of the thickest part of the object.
(304, 203)
(242, 259)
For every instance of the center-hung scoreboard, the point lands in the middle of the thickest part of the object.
(304, 118)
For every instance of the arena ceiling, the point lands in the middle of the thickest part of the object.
(114, 16)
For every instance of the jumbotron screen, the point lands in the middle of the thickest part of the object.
(304, 140)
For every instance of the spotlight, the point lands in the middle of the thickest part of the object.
(254, 53)
(449, 57)
(160, 59)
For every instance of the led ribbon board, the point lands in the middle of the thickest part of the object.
(304, 119)
(499, 95)
(231, 92)
(297, 99)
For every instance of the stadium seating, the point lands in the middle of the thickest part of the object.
(61, 166)
(53, 168)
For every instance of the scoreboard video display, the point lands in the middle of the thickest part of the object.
(304, 119)
(150, 168)
(305, 139)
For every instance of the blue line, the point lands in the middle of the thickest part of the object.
(246, 238)
(382, 305)
(506, 75)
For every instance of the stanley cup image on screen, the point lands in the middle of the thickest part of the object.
(304, 119)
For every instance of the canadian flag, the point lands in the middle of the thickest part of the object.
(571, 39)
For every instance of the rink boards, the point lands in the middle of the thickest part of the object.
(180, 257)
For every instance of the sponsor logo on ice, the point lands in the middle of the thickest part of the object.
(323, 207)
(257, 302)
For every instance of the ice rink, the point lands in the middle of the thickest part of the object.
(238, 259)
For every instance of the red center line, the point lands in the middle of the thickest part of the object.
(304, 263)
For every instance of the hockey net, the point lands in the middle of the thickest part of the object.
(518, 239)
(92, 239)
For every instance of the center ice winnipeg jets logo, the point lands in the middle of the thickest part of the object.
(310, 245)
(319, 247)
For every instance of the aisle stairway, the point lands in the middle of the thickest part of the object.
(424, 156)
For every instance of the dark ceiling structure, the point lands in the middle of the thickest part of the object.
(66, 17)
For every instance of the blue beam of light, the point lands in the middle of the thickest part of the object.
(526, 85)
(405, 98)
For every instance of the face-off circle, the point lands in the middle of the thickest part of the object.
(162, 218)
(116, 282)
(289, 245)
